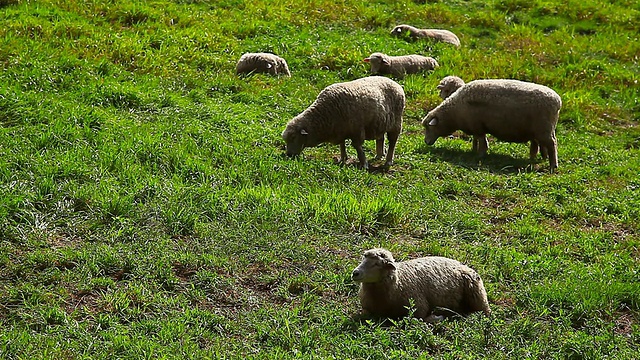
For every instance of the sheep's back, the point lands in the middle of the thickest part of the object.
(259, 62)
(373, 103)
(440, 281)
(510, 110)
(510, 94)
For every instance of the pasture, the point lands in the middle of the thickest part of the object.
(147, 210)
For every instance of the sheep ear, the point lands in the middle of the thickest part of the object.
(367, 59)
(440, 87)
(390, 265)
(385, 61)
(304, 132)
(433, 122)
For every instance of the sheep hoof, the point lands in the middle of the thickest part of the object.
(434, 318)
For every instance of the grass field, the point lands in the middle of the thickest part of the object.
(147, 210)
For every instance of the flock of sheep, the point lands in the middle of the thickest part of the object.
(372, 107)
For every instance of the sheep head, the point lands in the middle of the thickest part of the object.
(449, 85)
(400, 30)
(436, 126)
(295, 139)
(376, 266)
(378, 61)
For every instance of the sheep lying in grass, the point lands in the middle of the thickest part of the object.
(399, 66)
(388, 288)
(435, 34)
(262, 63)
(510, 110)
(448, 85)
(363, 109)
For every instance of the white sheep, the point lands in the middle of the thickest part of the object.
(262, 63)
(448, 85)
(388, 288)
(511, 110)
(435, 34)
(359, 110)
(399, 66)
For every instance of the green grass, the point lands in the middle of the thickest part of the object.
(147, 210)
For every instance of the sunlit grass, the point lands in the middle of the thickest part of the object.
(147, 210)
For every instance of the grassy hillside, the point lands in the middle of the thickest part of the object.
(147, 210)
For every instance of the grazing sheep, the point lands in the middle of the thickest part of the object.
(448, 85)
(436, 34)
(387, 288)
(399, 66)
(363, 109)
(510, 110)
(262, 63)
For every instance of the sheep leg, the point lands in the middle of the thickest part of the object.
(552, 147)
(544, 152)
(392, 138)
(380, 148)
(533, 150)
(343, 153)
(480, 144)
(357, 144)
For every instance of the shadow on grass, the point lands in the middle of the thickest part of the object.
(494, 163)
(359, 319)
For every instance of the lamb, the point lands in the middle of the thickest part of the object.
(436, 34)
(399, 66)
(448, 85)
(510, 110)
(388, 288)
(262, 63)
(362, 109)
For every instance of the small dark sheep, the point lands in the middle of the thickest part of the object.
(262, 63)
(399, 66)
(448, 85)
(435, 34)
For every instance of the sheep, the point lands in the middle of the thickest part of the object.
(448, 85)
(262, 63)
(510, 110)
(399, 66)
(363, 109)
(388, 288)
(436, 34)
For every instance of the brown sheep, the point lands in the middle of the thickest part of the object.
(435, 34)
(511, 110)
(448, 85)
(250, 63)
(399, 66)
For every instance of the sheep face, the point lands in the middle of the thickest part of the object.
(297, 139)
(376, 265)
(282, 68)
(269, 67)
(377, 61)
(449, 85)
(400, 30)
(434, 128)
(444, 91)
